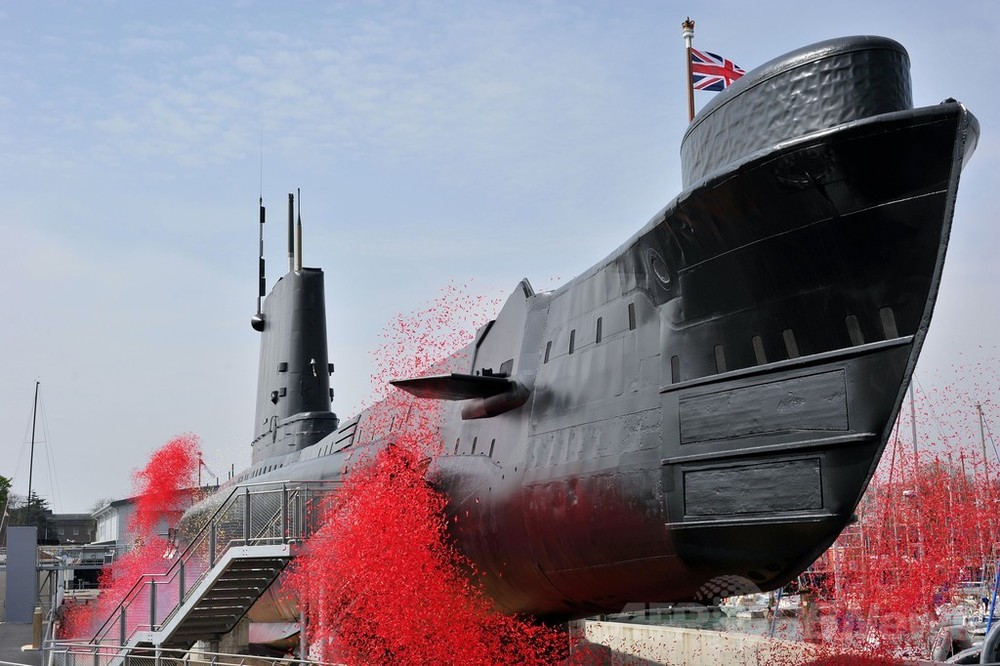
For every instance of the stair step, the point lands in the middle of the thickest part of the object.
(232, 589)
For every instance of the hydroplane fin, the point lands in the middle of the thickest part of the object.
(454, 386)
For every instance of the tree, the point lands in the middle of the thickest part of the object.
(100, 504)
(34, 511)
(4, 490)
(4, 493)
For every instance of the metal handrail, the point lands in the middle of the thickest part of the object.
(86, 654)
(139, 583)
(208, 532)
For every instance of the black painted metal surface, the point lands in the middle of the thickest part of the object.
(293, 380)
(812, 89)
(711, 400)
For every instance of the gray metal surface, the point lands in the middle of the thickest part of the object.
(293, 391)
(22, 574)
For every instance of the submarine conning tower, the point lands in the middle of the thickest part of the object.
(293, 380)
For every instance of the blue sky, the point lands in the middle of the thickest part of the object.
(434, 142)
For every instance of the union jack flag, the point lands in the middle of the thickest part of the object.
(712, 72)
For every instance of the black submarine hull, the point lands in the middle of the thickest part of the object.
(769, 370)
(701, 411)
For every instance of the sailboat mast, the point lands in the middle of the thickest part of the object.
(982, 442)
(31, 457)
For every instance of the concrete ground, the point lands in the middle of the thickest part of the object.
(12, 637)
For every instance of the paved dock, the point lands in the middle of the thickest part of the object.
(12, 637)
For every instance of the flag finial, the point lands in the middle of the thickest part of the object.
(688, 31)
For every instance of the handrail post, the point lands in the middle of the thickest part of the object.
(121, 624)
(246, 517)
(284, 513)
(211, 545)
(298, 514)
(180, 581)
(152, 605)
(307, 513)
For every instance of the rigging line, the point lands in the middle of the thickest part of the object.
(25, 443)
(53, 476)
(892, 467)
(930, 406)
(986, 422)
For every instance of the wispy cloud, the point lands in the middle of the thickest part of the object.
(186, 95)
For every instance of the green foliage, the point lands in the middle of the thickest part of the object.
(34, 511)
(4, 490)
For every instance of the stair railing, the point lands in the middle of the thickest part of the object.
(252, 514)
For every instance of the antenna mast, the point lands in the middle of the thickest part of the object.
(291, 232)
(257, 321)
(298, 236)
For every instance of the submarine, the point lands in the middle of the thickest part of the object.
(709, 402)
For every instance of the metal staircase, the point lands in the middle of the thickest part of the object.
(211, 584)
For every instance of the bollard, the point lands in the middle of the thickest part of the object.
(36, 628)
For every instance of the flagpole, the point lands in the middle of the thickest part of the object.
(688, 32)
